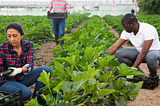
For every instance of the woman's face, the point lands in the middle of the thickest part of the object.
(14, 37)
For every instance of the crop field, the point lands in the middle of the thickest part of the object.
(81, 77)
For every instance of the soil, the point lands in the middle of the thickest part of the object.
(145, 97)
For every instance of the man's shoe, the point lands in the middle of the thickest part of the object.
(56, 39)
(153, 73)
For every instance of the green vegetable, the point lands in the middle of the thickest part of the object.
(3, 99)
(5, 73)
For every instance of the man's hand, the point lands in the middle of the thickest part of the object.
(104, 55)
(15, 71)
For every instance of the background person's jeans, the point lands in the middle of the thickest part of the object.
(30, 79)
(58, 27)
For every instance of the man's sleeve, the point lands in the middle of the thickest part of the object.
(150, 33)
(124, 35)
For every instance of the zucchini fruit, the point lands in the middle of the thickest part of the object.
(5, 73)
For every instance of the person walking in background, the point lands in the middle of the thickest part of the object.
(17, 54)
(59, 6)
(132, 11)
(146, 41)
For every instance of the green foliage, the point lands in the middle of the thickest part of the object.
(33, 102)
(150, 6)
(82, 76)
(89, 77)
(125, 70)
(115, 22)
(38, 29)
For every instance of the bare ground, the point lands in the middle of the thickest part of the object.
(145, 98)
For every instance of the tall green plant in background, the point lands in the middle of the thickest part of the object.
(150, 6)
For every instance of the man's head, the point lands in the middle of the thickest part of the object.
(129, 22)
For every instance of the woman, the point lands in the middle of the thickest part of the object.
(59, 6)
(17, 54)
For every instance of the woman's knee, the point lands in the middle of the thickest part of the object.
(26, 94)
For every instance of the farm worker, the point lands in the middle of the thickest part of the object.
(132, 11)
(17, 54)
(145, 39)
(59, 6)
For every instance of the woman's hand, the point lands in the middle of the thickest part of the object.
(15, 71)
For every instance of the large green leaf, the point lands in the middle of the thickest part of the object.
(125, 70)
(65, 104)
(120, 102)
(33, 102)
(90, 74)
(58, 87)
(58, 48)
(44, 78)
(60, 70)
(106, 76)
(104, 92)
(118, 84)
(91, 54)
(50, 101)
(91, 88)
(95, 96)
(70, 88)
(105, 61)
(134, 93)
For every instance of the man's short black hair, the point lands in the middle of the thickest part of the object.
(129, 18)
(15, 26)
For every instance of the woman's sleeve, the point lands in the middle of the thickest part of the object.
(30, 59)
(1, 60)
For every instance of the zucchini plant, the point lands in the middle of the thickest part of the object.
(82, 76)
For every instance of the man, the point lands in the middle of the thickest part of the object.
(145, 39)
